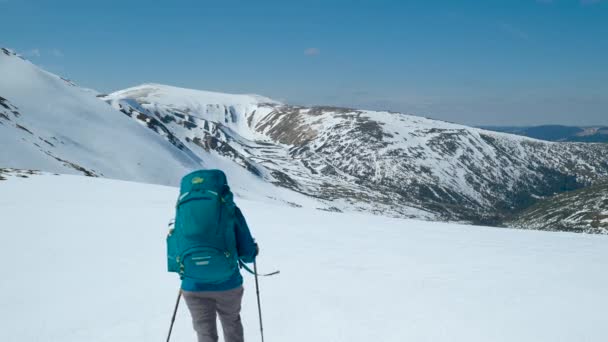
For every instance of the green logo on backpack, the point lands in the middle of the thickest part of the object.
(202, 245)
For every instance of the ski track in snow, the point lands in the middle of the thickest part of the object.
(83, 259)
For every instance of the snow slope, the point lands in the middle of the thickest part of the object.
(50, 124)
(84, 260)
(197, 104)
(47, 123)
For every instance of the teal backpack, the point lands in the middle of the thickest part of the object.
(202, 244)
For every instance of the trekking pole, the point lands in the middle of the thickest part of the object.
(257, 290)
(179, 296)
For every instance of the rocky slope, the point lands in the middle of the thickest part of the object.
(384, 162)
(584, 210)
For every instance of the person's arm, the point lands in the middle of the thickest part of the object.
(245, 244)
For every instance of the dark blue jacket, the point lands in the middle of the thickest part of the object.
(247, 250)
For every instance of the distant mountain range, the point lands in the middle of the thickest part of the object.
(337, 159)
(591, 134)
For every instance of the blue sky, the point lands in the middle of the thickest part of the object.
(511, 62)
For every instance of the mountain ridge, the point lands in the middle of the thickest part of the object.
(331, 153)
(331, 158)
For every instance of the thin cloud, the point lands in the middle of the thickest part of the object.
(54, 52)
(57, 53)
(32, 52)
(514, 31)
(312, 51)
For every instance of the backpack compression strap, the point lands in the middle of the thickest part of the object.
(185, 194)
(252, 272)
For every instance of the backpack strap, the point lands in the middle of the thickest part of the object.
(183, 196)
(242, 264)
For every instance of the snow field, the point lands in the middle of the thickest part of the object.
(83, 259)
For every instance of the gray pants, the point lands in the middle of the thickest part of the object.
(203, 308)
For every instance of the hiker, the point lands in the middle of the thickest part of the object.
(209, 238)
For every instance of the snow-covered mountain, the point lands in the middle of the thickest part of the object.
(50, 124)
(384, 162)
(335, 159)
